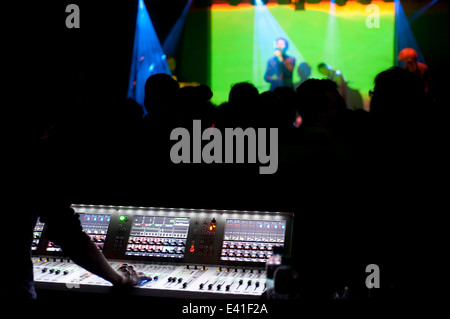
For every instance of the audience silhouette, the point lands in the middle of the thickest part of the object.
(330, 167)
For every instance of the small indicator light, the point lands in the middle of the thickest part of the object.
(123, 218)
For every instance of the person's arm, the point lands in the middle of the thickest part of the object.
(63, 225)
(270, 75)
(288, 65)
(64, 228)
(90, 258)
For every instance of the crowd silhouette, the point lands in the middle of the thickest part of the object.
(352, 178)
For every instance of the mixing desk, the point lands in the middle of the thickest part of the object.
(184, 253)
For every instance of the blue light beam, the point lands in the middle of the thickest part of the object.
(266, 31)
(421, 11)
(148, 56)
(404, 37)
(171, 43)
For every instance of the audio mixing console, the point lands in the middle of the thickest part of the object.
(185, 253)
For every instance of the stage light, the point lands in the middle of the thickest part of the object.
(404, 37)
(419, 12)
(266, 29)
(333, 54)
(148, 56)
(171, 43)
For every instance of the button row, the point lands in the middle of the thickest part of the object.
(157, 241)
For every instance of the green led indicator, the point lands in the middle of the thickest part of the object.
(123, 218)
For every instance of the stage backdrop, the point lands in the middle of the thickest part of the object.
(240, 41)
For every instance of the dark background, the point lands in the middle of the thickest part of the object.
(344, 219)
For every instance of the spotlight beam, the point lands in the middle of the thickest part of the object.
(266, 30)
(148, 57)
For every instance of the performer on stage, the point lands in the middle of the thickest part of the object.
(335, 76)
(409, 57)
(280, 66)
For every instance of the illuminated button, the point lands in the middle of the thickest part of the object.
(123, 218)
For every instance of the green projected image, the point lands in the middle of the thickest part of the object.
(242, 37)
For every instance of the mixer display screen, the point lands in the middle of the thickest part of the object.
(95, 225)
(158, 236)
(251, 240)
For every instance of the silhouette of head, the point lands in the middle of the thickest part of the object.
(397, 96)
(319, 102)
(242, 92)
(160, 92)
